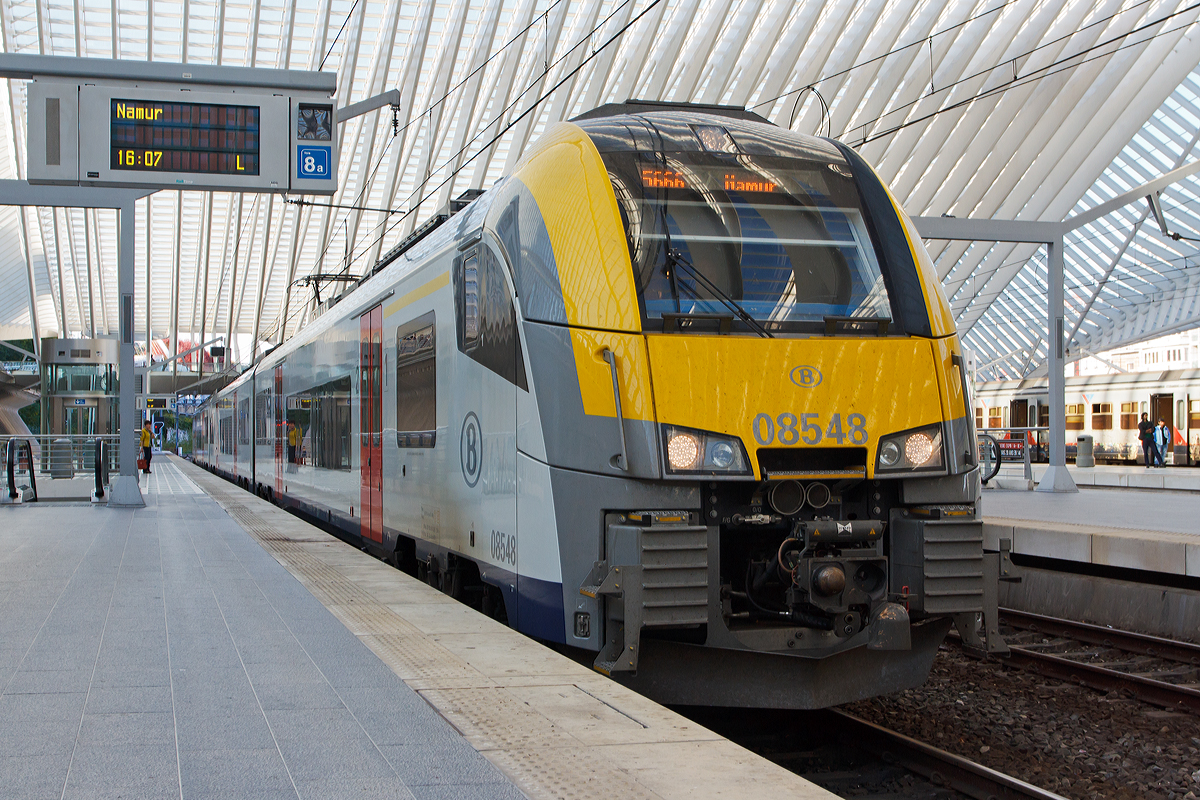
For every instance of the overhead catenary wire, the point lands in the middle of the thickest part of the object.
(333, 44)
(499, 135)
(1026, 79)
(420, 185)
(1009, 60)
(1036, 75)
(415, 118)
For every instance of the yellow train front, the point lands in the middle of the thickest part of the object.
(751, 408)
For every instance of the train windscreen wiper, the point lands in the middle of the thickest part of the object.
(678, 260)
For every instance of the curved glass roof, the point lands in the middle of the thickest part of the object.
(1026, 109)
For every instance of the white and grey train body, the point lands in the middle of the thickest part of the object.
(640, 355)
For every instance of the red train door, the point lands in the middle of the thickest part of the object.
(370, 416)
(280, 430)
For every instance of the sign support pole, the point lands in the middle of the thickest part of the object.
(125, 490)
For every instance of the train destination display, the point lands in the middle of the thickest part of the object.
(730, 181)
(184, 137)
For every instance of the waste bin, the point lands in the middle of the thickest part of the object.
(62, 459)
(1083, 451)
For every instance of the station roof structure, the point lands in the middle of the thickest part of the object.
(1006, 109)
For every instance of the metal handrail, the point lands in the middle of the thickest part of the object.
(82, 449)
(13, 448)
(101, 467)
(621, 459)
(12, 479)
(989, 468)
(29, 465)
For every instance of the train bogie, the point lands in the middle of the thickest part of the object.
(681, 391)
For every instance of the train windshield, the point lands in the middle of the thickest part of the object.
(753, 241)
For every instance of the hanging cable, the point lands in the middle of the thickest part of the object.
(333, 44)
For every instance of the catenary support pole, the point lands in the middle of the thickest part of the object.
(1056, 477)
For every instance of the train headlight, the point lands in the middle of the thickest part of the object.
(919, 449)
(683, 450)
(721, 455)
(703, 454)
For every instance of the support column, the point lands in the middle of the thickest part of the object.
(125, 490)
(1056, 477)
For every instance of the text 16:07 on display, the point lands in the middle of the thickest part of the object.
(139, 158)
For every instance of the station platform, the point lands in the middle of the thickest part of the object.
(1113, 476)
(1153, 531)
(213, 645)
(1125, 558)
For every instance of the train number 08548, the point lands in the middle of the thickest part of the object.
(504, 547)
(790, 428)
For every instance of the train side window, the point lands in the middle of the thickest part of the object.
(243, 421)
(1102, 416)
(486, 315)
(470, 295)
(318, 421)
(225, 415)
(995, 417)
(416, 383)
(263, 419)
(978, 418)
(1129, 416)
(1074, 416)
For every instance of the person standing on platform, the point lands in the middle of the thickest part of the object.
(147, 441)
(1146, 437)
(1162, 440)
(293, 440)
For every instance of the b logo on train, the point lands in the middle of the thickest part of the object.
(682, 391)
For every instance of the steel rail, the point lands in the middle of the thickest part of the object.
(1183, 652)
(938, 766)
(1159, 693)
(1094, 676)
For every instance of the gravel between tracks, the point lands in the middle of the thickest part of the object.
(1074, 741)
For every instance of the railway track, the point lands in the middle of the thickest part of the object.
(939, 767)
(1162, 672)
(852, 757)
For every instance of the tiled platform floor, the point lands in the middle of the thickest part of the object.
(1132, 509)
(1152, 531)
(1172, 478)
(162, 653)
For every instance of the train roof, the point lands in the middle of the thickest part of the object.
(1039, 385)
(654, 106)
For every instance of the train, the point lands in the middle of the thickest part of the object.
(1105, 407)
(681, 395)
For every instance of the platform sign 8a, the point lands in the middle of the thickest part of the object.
(313, 146)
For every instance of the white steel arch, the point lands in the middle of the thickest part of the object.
(1012, 109)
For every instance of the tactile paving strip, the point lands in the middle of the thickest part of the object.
(418, 659)
(542, 759)
(574, 773)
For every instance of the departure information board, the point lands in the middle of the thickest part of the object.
(184, 137)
